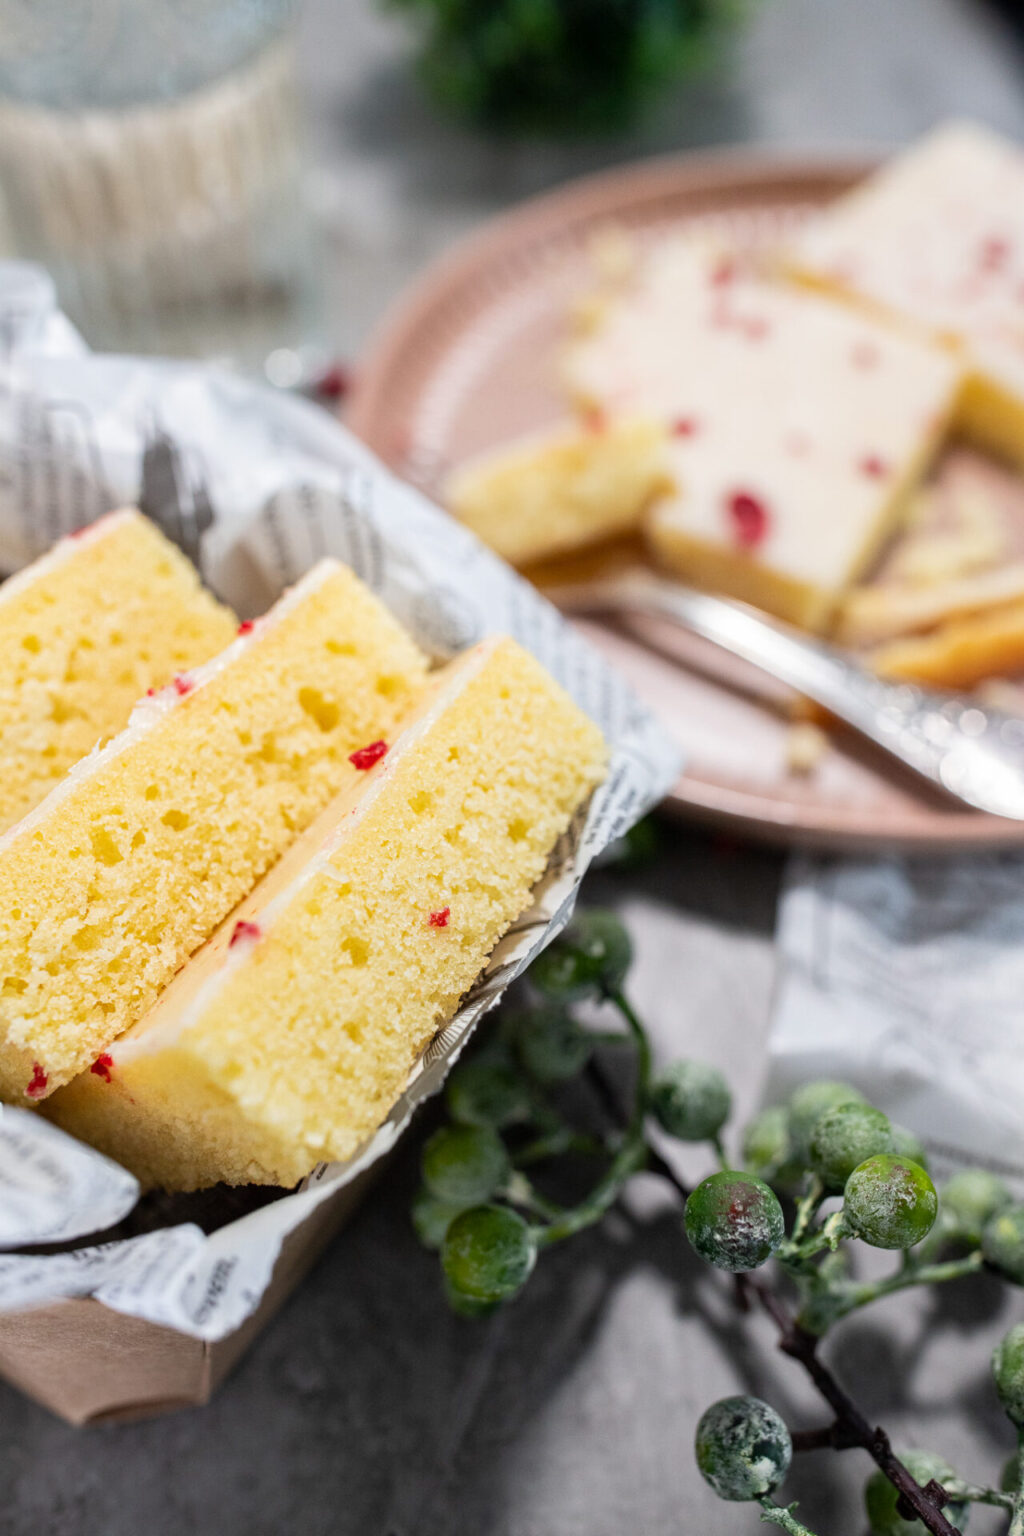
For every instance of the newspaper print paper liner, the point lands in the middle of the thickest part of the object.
(256, 487)
(904, 977)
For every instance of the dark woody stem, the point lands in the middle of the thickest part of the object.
(851, 1428)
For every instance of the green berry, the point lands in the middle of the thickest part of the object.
(766, 1142)
(906, 1144)
(1002, 1242)
(488, 1253)
(468, 1306)
(881, 1498)
(843, 1138)
(970, 1200)
(464, 1164)
(432, 1217)
(743, 1448)
(808, 1104)
(734, 1221)
(1008, 1370)
(551, 1045)
(890, 1202)
(482, 1092)
(691, 1100)
(591, 956)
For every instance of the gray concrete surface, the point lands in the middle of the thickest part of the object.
(366, 1409)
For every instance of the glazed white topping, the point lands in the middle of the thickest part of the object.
(792, 418)
(937, 236)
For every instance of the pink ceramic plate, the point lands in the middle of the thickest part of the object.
(465, 361)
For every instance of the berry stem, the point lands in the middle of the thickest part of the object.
(970, 1493)
(847, 1299)
(719, 1148)
(519, 1191)
(807, 1208)
(851, 1425)
(795, 1254)
(632, 1154)
(555, 1144)
(1017, 1518)
(630, 1158)
(777, 1514)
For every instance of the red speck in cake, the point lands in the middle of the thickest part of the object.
(183, 684)
(247, 626)
(243, 930)
(993, 253)
(865, 355)
(595, 419)
(723, 272)
(756, 328)
(684, 426)
(797, 444)
(76, 533)
(37, 1086)
(749, 518)
(365, 757)
(874, 467)
(103, 1066)
(335, 382)
(151, 693)
(440, 919)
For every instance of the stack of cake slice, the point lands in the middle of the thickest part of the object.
(397, 821)
(288, 1038)
(129, 865)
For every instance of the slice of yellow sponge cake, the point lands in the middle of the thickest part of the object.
(84, 632)
(287, 1039)
(130, 864)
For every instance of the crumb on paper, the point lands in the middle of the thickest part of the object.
(613, 253)
(806, 745)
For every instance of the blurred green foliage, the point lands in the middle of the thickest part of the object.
(564, 67)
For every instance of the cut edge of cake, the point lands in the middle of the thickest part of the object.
(553, 492)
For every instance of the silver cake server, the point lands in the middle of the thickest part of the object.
(973, 752)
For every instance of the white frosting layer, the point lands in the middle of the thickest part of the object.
(938, 237)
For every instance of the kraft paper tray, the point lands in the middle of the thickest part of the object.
(88, 1364)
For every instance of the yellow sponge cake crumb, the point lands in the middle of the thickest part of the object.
(84, 632)
(289, 1037)
(562, 490)
(130, 864)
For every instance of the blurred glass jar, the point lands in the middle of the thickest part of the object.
(150, 158)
